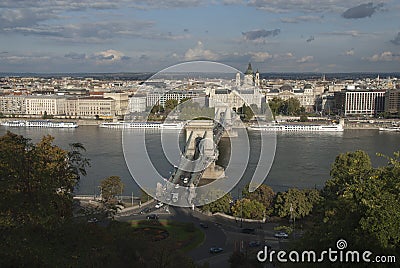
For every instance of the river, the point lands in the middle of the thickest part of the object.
(301, 160)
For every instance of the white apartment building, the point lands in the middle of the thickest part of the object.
(45, 104)
(160, 97)
(12, 104)
(91, 107)
(137, 103)
(121, 101)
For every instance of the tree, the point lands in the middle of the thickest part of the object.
(296, 203)
(347, 169)
(170, 104)
(246, 112)
(220, 205)
(292, 106)
(275, 105)
(110, 187)
(263, 194)
(365, 211)
(37, 180)
(248, 209)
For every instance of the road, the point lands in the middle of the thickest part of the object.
(220, 233)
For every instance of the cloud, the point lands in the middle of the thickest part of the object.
(96, 32)
(108, 56)
(75, 56)
(396, 40)
(384, 56)
(349, 52)
(260, 35)
(361, 11)
(305, 59)
(199, 53)
(352, 33)
(299, 19)
(311, 38)
(260, 56)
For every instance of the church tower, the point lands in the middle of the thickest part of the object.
(248, 76)
(257, 79)
(237, 82)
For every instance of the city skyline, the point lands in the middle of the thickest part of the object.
(148, 36)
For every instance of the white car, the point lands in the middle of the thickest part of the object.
(185, 180)
(281, 235)
(159, 204)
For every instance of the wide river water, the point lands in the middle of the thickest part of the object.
(301, 160)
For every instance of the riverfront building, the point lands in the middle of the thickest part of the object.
(360, 102)
(392, 101)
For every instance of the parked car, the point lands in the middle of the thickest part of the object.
(214, 250)
(203, 225)
(248, 230)
(281, 235)
(185, 180)
(159, 205)
(152, 217)
(254, 244)
(145, 210)
(92, 220)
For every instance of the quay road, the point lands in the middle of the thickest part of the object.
(221, 232)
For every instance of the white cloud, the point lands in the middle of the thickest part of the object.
(108, 56)
(305, 59)
(384, 56)
(349, 52)
(199, 53)
(260, 56)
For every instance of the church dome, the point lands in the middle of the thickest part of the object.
(286, 88)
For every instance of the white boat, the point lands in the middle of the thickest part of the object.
(392, 129)
(40, 123)
(141, 125)
(298, 128)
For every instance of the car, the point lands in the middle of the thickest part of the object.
(92, 220)
(203, 225)
(185, 180)
(177, 186)
(145, 210)
(254, 244)
(215, 250)
(152, 217)
(248, 230)
(281, 235)
(159, 205)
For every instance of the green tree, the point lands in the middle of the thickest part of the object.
(110, 187)
(291, 106)
(365, 211)
(347, 169)
(301, 202)
(37, 180)
(276, 105)
(263, 194)
(246, 112)
(248, 209)
(220, 205)
(170, 104)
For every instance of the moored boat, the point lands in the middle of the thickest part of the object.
(39, 123)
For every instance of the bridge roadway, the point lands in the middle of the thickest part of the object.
(193, 170)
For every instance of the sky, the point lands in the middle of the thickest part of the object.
(56, 36)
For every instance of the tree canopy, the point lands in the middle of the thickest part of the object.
(361, 204)
(37, 180)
